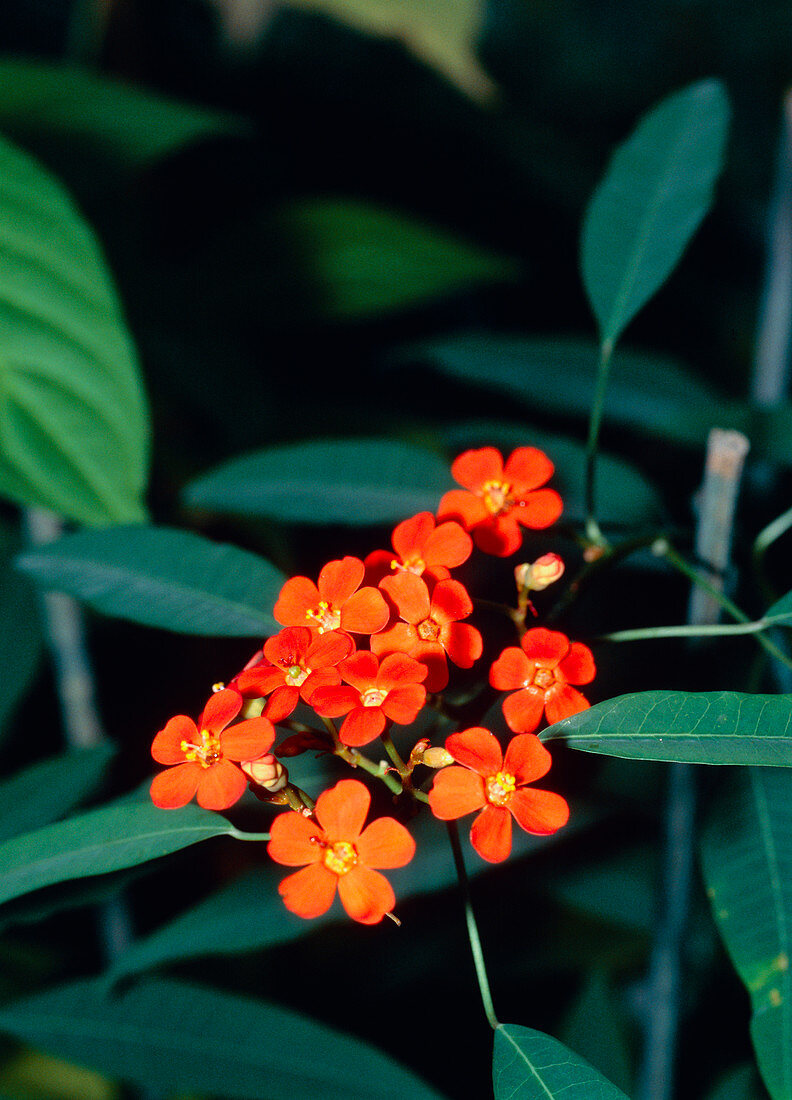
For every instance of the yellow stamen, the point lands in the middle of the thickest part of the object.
(544, 678)
(428, 630)
(497, 496)
(207, 753)
(500, 788)
(325, 616)
(340, 857)
(372, 697)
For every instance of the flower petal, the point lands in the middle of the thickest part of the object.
(526, 758)
(385, 843)
(411, 535)
(562, 701)
(462, 643)
(498, 535)
(523, 709)
(342, 810)
(578, 665)
(293, 840)
(432, 656)
(398, 670)
(328, 649)
(298, 596)
(491, 834)
(166, 747)
(248, 740)
(362, 725)
(539, 812)
(399, 638)
(309, 892)
(448, 545)
(546, 647)
(456, 791)
(339, 579)
(378, 565)
(462, 507)
(366, 895)
(221, 786)
(528, 468)
(477, 749)
(176, 786)
(450, 602)
(365, 612)
(511, 670)
(402, 704)
(332, 702)
(472, 468)
(410, 595)
(288, 646)
(281, 703)
(221, 708)
(540, 509)
(255, 683)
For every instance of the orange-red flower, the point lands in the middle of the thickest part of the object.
(376, 693)
(205, 758)
(336, 602)
(542, 670)
(430, 628)
(297, 661)
(498, 498)
(422, 548)
(336, 851)
(497, 787)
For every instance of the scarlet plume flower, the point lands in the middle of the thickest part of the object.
(430, 628)
(335, 602)
(336, 851)
(498, 498)
(297, 661)
(205, 758)
(543, 670)
(423, 548)
(496, 786)
(376, 692)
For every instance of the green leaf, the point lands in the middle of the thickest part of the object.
(91, 111)
(781, 610)
(73, 419)
(163, 577)
(596, 1027)
(657, 188)
(740, 1083)
(351, 481)
(48, 790)
(746, 850)
(528, 1065)
(711, 727)
(165, 1035)
(122, 834)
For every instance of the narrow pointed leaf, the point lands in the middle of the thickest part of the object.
(170, 1035)
(73, 420)
(528, 1065)
(747, 860)
(350, 481)
(713, 727)
(122, 834)
(162, 577)
(657, 188)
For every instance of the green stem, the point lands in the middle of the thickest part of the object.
(237, 834)
(595, 420)
(685, 631)
(472, 927)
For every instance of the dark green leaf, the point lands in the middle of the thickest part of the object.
(741, 1083)
(163, 577)
(747, 859)
(596, 1028)
(352, 481)
(656, 191)
(21, 640)
(74, 429)
(713, 727)
(781, 610)
(165, 1035)
(48, 790)
(528, 1065)
(119, 835)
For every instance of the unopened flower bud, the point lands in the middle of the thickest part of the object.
(533, 577)
(268, 772)
(252, 708)
(436, 757)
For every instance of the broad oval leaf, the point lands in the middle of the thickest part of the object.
(746, 850)
(528, 1065)
(781, 611)
(162, 577)
(247, 1049)
(74, 427)
(122, 834)
(711, 727)
(655, 192)
(348, 481)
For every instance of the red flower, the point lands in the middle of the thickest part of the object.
(206, 756)
(377, 693)
(421, 548)
(336, 602)
(543, 670)
(497, 498)
(430, 629)
(488, 782)
(297, 661)
(336, 851)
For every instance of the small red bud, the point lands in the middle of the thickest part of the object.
(535, 576)
(268, 772)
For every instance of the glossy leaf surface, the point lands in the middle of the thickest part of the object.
(528, 1065)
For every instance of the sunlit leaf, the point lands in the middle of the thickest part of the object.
(713, 727)
(746, 853)
(163, 577)
(248, 1048)
(73, 418)
(528, 1065)
(656, 191)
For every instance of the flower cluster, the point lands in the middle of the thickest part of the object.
(366, 648)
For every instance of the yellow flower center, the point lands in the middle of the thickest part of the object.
(207, 753)
(296, 675)
(428, 630)
(497, 496)
(500, 788)
(543, 678)
(325, 616)
(340, 857)
(372, 697)
(410, 565)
